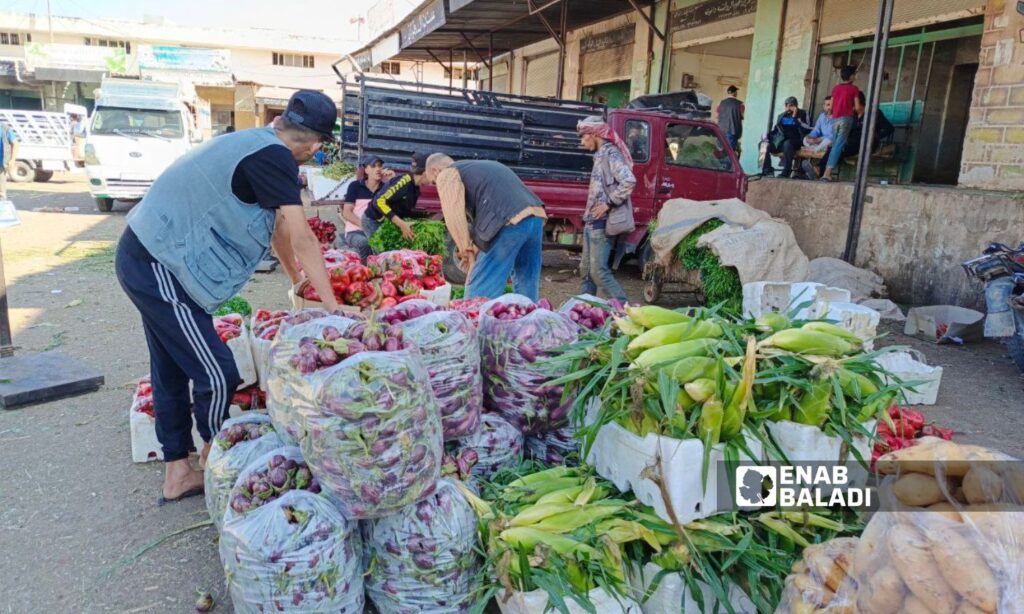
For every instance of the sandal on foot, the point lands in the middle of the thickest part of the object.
(194, 492)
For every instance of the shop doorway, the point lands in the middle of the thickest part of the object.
(614, 94)
(711, 67)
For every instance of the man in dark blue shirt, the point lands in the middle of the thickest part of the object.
(786, 138)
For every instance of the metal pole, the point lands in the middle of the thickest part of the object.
(490, 58)
(6, 342)
(562, 21)
(49, 20)
(778, 62)
(878, 49)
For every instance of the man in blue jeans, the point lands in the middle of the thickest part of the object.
(611, 183)
(496, 222)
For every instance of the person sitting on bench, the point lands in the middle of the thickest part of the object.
(786, 138)
(883, 132)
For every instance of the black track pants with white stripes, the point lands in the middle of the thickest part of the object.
(183, 346)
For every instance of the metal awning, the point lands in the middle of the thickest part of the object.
(485, 28)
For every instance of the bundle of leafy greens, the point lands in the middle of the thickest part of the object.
(429, 237)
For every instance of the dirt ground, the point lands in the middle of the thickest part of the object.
(79, 527)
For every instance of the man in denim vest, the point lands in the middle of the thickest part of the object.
(192, 244)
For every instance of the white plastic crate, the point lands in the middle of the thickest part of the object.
(802, 443)
(440, 296)
(536, 602)
(241, 350)
(910, 366)
(261, 360)
(145, 446)
(761, 297)
(628, 461)
(673, 595)
(858, 319)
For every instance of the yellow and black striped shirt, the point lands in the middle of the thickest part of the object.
(397, 197)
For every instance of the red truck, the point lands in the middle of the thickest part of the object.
(676, 151)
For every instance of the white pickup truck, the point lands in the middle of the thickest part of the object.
(44, 142)
(138, 129)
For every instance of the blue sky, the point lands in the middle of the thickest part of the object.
(315, 17)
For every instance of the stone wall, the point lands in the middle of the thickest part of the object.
(914, 236)
(993, 156)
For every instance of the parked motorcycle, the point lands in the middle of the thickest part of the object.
(1002, 269)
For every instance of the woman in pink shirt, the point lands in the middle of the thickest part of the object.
(843, 97)
(357, 197)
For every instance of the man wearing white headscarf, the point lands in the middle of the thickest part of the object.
(611, 184)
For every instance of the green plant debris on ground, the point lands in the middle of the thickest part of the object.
(721, 284)
(89, 255)
(235, 304)
(339, 170)
(429, 237)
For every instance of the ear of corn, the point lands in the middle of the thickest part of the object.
(621, 531)
(660, 335)
(700, 389)
(856, 385)
(710, 422)
(569, 521)
(814, 404)
(813, 342)
(558, 471)
(539, 511)
(736, 409)
(628, 327)
(772, 322)
(527, 538)
(695, 367)
(650, 316)
(836, 331)
(673, 352)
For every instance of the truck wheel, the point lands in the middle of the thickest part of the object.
(451, 269)
(1016, 346)
(43, 176)
(23, 172)
(105, 204)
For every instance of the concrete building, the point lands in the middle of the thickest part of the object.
(246, 74)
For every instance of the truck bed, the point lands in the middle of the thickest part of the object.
(536, 137)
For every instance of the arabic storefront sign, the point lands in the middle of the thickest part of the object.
(422, 23)
(606, 40)
(386, 49)
(199, 66)
(363, 60)
(76, 57)
(710, 12)
(454, 5)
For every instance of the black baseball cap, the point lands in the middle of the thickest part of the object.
(792, 101)
(732, 89)
(370, 159)
(418, 163)
(313, 110)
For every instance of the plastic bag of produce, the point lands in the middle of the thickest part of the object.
(240, 441)
(557, 447)
(821, 580)
(408, 310)
(447, 342)
(424, 556)
(290, 387)
(375, 441)
(515, 335)
(263, 327)
(498, 446)
(955, 542)
(583, 310)
(285, 547)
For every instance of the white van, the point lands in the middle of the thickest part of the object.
(138, 128)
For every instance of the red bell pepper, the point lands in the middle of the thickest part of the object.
(912, 417)
(388, 302)
(930, 430)
(359, 273)
(408, 287)
(411, 297)
(356, 292)
(388, 289)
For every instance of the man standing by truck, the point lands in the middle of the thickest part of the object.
(497, 224)
(8, 156)
(611, 184)
(192, 244)
(396, 200)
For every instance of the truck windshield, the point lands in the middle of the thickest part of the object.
(138, 122)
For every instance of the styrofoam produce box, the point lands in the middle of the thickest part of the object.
(802, 443)
(627, 460)
(440, 296)
(858, 319)
(673, 595)
(146, 447)
(536, 602)
(910, 366)
(261, 360)
(241, 350)
(761, 297)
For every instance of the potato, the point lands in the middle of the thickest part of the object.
(913, 560)
(830, 561)
(964, 568)
(913, 605)
(918, 490)
(1013, 480)
(798, 567)
(882, 593)
(958, 495)
(982, 485)
(929, 455)
(947, 510)
(967, 608)
(812, 590)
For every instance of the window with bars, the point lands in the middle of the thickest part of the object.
(106, 42)
(391, 68)
(448, 74)
(297, 60)
(14, 38)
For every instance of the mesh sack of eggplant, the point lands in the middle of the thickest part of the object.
(408, 310)
(299, 350)
(820, 581)
(590, 312)
(497, 445)
(557, 447)
(374, 439)
(424, 556)
(285, 546)
(516, 337)
(447, 341)
(954, 542)
(240, 441)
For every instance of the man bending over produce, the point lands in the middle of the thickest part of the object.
(489, 211)
(396, 200)
(192, 244)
